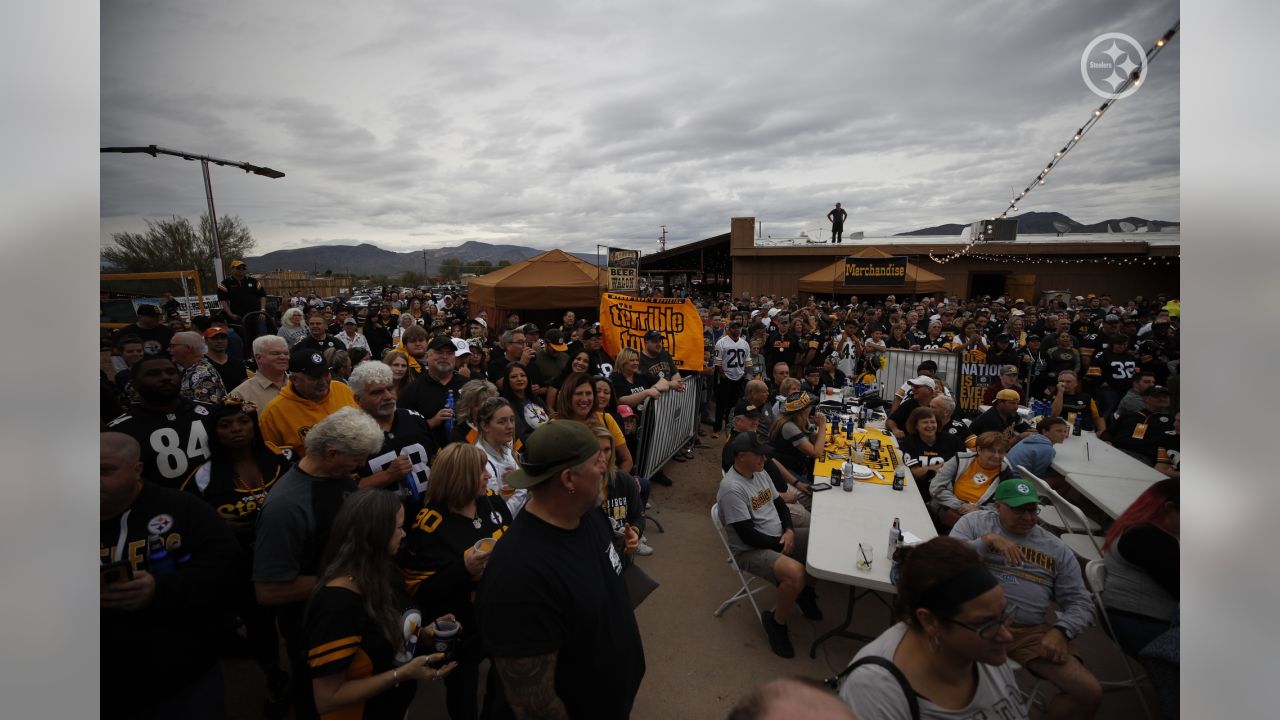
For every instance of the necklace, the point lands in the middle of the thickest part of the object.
(475, 522)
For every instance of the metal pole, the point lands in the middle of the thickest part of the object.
(213, 222)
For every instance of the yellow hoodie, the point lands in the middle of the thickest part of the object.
(287, 418)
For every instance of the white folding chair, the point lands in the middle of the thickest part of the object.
(1051, 516)
(1095, 572)
(1085, 545)
(745, 590)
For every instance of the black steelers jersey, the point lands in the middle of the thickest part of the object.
(173, 443)
(409, 436)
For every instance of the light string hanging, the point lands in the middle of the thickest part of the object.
(1133, 260)
(1134, 79)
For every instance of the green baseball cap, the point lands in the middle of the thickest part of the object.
(552, 448)
(1015, 492)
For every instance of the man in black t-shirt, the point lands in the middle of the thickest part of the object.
(1003, 418)
(430, 392)
(656, 361)
(553, 609)
(154, 334)
(239, 295)
(782, 345)
(1144, 433)
(318, 337)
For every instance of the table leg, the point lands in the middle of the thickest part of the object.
(842, 630)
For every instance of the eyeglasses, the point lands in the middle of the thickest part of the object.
(988, 630)
(1028, 509)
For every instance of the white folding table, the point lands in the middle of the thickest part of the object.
(1112, 494)
(840, 520)
(1087, 455)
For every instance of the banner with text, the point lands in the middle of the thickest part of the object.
(624, 270)
(975, 375)
(625, 319)
(875, 271)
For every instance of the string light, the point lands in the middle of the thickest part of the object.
(1133, 79)
(1126, 261)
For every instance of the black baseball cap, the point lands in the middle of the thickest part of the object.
(749, 442)
(148, 310)
(745, 409)
(308, 361)
(653, 335)
(441, 342)
(1156, 390)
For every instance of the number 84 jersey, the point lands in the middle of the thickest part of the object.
(173, 442)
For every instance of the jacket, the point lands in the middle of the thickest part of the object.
(941, 487)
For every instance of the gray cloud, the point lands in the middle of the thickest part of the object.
(567, 124)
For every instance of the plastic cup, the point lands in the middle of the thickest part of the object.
(484, 545)
(446, 638)
(866, 553)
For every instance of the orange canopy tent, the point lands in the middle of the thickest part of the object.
(554, 280)
(830, 279)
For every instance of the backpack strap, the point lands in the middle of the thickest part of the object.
(913, 703)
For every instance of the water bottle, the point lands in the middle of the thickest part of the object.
(1075, 425)
(895, 568)
(411, 487)
(448, 422)
(895, 536)
(862, 417)
(848, 429)
(899, 478)
(159, 561)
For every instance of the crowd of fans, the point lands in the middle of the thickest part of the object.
(352, 480)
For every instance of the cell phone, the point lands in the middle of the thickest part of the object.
(819, 487)
(116, 572)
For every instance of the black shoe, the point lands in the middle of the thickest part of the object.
(660, 478)
(777, 634)
(808, 602)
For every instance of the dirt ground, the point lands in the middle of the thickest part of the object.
(700, 665)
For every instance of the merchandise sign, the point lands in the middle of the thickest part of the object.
(875, 271)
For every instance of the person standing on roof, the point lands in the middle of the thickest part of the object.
(837, 216)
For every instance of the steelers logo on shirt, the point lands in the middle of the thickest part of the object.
(160, 524)
(317, 358)
(980, 478)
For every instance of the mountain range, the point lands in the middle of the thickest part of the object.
(366, 259)
(1043, 222)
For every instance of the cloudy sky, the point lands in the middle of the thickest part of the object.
(571, 123)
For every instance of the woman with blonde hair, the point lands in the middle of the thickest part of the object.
(442, 568)
(292, 327)
(495, 422)
(398, 360)
(620, 501)
(470, 397)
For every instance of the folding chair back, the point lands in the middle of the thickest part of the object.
(745, 589)
(1083, 544)
(1095, 574)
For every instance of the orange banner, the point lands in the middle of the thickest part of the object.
(625, 319)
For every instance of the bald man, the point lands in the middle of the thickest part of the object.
(166, 562)
(787, 698)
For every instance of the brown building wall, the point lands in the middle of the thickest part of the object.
(780, 274)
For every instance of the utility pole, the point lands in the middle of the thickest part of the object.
(426, 276)
(154, 151)
(662, 240)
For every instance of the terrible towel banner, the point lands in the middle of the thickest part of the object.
(624, 266)
(875, 271)
(625, 319)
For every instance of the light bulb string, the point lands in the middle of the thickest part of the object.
(1134, 77)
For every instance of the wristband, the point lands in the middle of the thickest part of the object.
(395, 677)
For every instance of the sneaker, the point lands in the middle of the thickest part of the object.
(648, 506)
(660, 478)
(643, 548)
(777, 633)
(807, 600)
